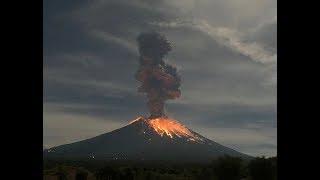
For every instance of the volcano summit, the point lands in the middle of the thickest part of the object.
(159, 139)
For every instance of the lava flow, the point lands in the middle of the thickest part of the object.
(169, 127)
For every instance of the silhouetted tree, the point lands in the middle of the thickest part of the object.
(106, 173)
(262, 169)
(61, 173)
(82, 175)
(227, 168)
(128, 174)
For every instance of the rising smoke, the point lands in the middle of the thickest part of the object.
(160, 81)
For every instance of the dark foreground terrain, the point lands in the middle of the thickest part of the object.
(223, 168)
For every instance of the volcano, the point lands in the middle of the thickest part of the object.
(143, 139)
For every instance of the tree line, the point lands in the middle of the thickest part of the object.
(223, 168)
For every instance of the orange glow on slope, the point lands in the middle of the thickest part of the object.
(135, 120)
(171, 128)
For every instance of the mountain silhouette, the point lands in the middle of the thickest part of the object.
(143, 139)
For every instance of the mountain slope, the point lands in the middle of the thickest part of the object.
(159, 139)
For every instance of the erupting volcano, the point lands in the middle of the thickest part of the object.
(143, 139)
(156, 137)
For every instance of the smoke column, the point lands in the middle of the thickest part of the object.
(160, 81)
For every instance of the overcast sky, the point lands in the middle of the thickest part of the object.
(225, 51)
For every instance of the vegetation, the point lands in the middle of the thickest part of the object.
(228, 168)
(224, 168)
(263, 169)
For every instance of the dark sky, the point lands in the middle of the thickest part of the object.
(225, 51)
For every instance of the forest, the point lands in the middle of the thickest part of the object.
(223, 168)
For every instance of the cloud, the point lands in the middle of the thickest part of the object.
(265, 34)
(75, 126)
(247, 140)
(227, 37)
(114, 39)
(237, 42)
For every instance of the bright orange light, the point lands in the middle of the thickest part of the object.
(171, 128)
(135, 120)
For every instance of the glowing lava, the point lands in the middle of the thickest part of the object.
(168, 127)
(135, 120)
(171, 128)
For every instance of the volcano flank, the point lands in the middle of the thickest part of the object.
(159, 139)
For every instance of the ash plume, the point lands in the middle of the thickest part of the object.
(160, 81)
